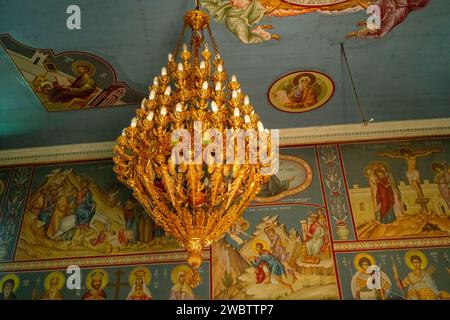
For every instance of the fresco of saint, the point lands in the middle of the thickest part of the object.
(53, 284)
(139, 279)
(96, 281)
(181, 289)
(419, 281)
(359, 288)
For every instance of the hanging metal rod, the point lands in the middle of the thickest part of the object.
(361, 111)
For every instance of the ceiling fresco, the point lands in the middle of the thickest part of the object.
(398, 68)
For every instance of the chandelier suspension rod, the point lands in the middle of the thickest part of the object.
(361, 111)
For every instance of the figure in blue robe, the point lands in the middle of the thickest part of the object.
(85, 209)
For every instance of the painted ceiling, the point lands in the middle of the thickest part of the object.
(401, 75)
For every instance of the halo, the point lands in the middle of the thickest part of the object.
(147, 277)
(296, 79)
(80, 63)
(105, 278)
(12, 277)
(245, 224)
(359, 256)
(418, 253)
(177, 270)
(255, 242)
(50, 276)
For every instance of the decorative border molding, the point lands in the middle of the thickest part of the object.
(359, 132)
(291, 136)
(73, 152)
(99, 261)
(391, 244)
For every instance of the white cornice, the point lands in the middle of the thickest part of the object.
(293, 136)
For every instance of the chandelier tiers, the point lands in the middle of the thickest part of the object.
(195, 202)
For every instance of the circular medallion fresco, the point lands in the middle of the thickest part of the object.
(301, 91)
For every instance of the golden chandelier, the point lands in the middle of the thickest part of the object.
(195, 202)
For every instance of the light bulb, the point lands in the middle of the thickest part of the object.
(164, 71)
(151, 96)
(217, 56)
(214, 106)
(246, 100)
(218, 86)
(180, 67)
(202, 65)
(169, 57)
(144, 101)
(155, 81)
(205, 85)
(150, 116)
(234, 94)
(167, 91)
(133, 122)
(163, 111)
(239, 90)
(260, 126)
(184, 47)
(233, 78)
(123, 132)
(247, 118)
(205, 46)
(220, 68)
(178, 107)
(236, 112)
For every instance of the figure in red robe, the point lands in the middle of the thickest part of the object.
(384, 211)
(96, 292)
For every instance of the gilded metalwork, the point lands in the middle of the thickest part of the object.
(193, 201)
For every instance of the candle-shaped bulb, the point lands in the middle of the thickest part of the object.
(155, 81)
(144, 101)
(236, 112)
(233, 78)
(260, 126)
(220, 68)
(150, 116)
(247, 118)
(234, 94)
(217, 56)
(184, 47)
(214, 106)
(246, 100)
(133, 122)
(205, 85)
(205, 47)
(164, 71)
(151, 96)
(163, 111)
(218, 86)
(178, 107)
(123, 132)
(202, 65)
(167, 91)
(169, 57)
(180, 67)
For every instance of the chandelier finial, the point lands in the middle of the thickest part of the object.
(196, 19)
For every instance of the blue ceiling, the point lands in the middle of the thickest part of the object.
(404, 75)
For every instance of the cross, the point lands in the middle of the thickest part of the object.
(117, 284)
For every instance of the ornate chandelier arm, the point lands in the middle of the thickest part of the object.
(216, 182)
(230, 217)
(234, 188)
